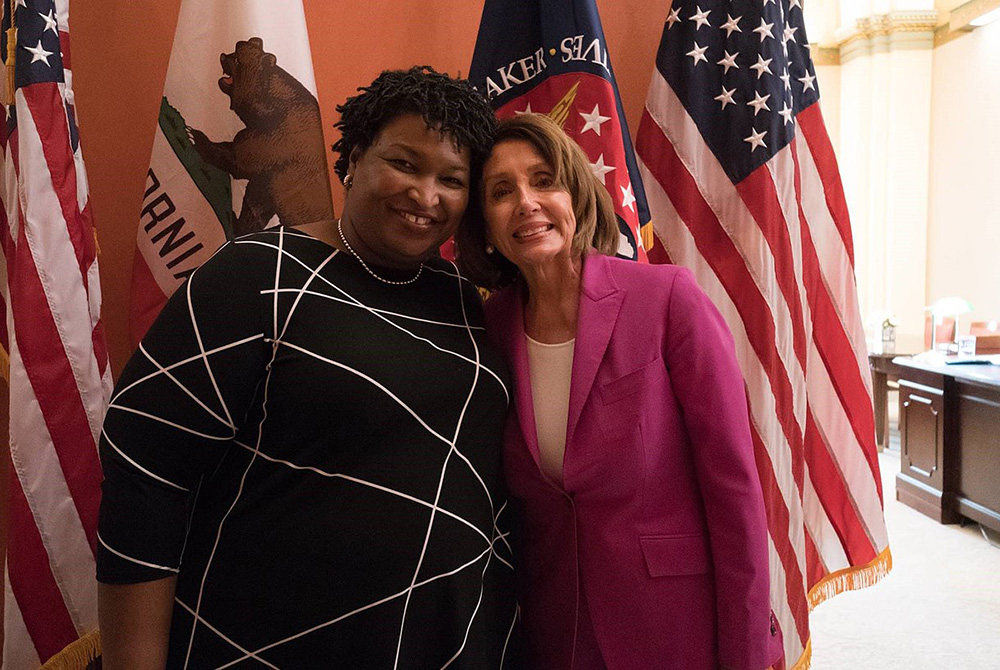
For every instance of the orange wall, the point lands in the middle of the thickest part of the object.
(120, 53)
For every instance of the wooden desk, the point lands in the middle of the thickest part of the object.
(949, 425)
(882, 369)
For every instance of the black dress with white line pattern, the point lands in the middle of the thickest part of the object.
(316, 455)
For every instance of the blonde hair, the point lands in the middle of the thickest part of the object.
(596, 223)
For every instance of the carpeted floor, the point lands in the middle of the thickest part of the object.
(938, 608)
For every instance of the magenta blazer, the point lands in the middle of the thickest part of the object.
(660, 527)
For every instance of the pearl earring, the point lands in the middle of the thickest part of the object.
(490, 249)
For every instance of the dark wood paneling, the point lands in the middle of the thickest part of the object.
(921, 419)
(949, 420)
(978, 468)
(921, 479)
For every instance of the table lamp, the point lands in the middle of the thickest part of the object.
(945, 307)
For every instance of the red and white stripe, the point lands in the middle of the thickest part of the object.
(774, 252)
(59, 381)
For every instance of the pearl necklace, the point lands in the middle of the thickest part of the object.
(343, 239)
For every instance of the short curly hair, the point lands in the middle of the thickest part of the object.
(451, 105)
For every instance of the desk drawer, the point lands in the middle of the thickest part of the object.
(921, 432)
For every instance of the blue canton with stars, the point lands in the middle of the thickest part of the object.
(39, 55)
(742, 70)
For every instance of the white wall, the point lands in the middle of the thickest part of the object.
(885, 107)
(963, 255)
(917, 134)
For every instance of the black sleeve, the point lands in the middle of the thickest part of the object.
(176, 406)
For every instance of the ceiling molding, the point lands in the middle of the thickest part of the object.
(887, 25)
(912, 30)
(960, 17)
(822, 56)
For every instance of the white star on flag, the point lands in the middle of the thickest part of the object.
(729, 61)
(761, 66)
(731, 25)
(758, 103)
(794, 3)
(756, 139)
(764, 29)
(50, 22)
(786, 113)
(600, 169)
(726, 97)
(807, 82)
(700, 18)
(22, 3)
(785, 77)
(789, 34)
(675, 16)
(698, 53)
(767, 1)
(593, 121)
(39, 53)
(628, 200)
(526, 110)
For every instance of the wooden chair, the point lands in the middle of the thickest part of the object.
(984, 328)
(945, 330)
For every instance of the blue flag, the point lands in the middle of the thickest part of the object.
(550, 57)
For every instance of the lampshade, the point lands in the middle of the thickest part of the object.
(951, 306)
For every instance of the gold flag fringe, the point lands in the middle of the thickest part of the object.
(848, 579)
(806, 658)
(646, 233)
(851, 579)
(83, 654)
(4, 365)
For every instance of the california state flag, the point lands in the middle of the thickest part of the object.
(239, 142)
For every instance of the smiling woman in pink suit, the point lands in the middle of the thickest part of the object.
(644, 540)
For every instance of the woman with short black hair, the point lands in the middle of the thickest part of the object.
(302, 459)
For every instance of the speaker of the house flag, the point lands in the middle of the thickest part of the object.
(550, 57)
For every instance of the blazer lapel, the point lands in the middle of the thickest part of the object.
(600, 303)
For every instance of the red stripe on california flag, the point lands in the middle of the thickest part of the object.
(717, 248)
(31, 579)
(778, 524)
(838, 505)
(838, 356)
(49, 116)
(55, 389)
(761, 199)
(146, 299)
(813, 128)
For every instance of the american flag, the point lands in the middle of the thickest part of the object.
(59, 376)
(744, 190)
